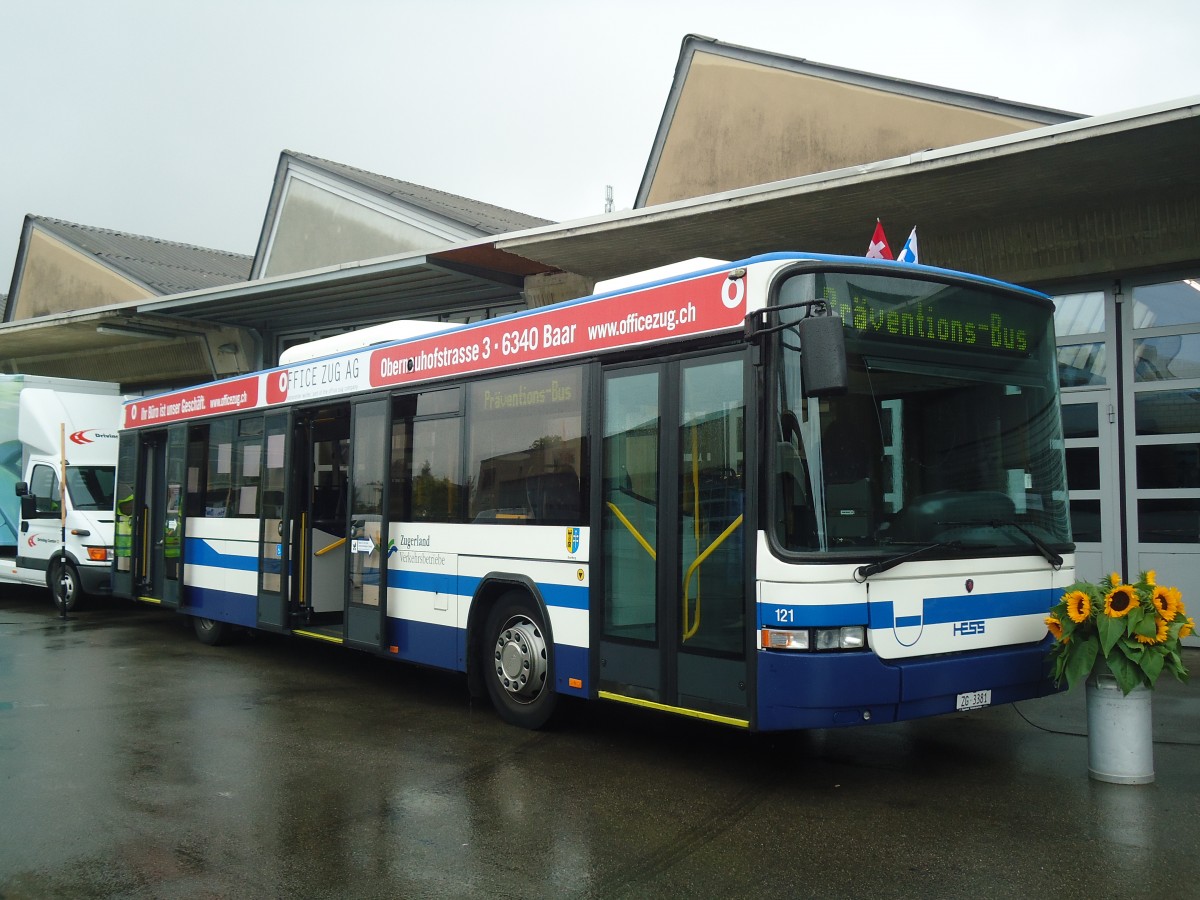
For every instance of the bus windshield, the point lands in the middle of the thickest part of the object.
(950, 432)
(91, 487)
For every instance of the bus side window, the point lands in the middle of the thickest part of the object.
(554, 497)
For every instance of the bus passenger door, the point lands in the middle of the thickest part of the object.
(674, 554)
(274, 539)
(156, 510)
(126, 514)
(366, 596)
(321, 484)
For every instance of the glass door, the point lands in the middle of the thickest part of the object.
(274, 536)
(1085, 325)
(1089, 434)
(366, 600)
(674, 555)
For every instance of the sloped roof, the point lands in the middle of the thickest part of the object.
(694, 44)
(485, 217)
(164, 267)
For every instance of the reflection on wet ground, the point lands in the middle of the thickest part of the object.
(136, 762)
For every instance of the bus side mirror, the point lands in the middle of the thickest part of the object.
(823, 370)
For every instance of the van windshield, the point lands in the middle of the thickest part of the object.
(91, 487)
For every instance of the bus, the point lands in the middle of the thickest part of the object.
(792, 491)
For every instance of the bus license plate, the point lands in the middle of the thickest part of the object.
(974, 700)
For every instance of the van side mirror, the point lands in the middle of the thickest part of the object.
(823, 371)
(21, 488)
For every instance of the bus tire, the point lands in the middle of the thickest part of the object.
(516, 662)
(210, 631)
(63, 581)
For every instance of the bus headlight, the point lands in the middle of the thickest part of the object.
(849, 637)
(846, 637)
(785, 639)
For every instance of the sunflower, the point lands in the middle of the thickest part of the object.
(1160, 634)
(1079, 606)
(1114, 579)
(1166, 601)
(1119, 601)
(1055, 627)
(1149, 577)
(1189, 625)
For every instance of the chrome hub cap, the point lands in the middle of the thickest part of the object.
(521, 659)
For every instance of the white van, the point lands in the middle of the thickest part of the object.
(65, 545)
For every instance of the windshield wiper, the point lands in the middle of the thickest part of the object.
(862, 573)
(1041, 546)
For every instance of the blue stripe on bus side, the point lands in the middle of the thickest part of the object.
(199, 552)
(936, 610)
(569, 596)
(222, 606)
(425, 643)
(444, 647)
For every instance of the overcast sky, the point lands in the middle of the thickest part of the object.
(167, 119)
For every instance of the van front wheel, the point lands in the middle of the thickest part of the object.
(63, 581)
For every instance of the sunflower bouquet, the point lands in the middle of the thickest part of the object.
(1135, 628)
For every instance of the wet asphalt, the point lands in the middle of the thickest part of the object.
(136, 762)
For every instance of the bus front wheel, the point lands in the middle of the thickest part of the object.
(516, 662)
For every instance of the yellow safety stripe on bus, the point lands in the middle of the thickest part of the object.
(149, 599)
(694, 713)
(641, 540)
(319, 637)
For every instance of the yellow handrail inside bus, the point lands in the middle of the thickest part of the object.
(637, 536)
(332, 546)
(689, 631)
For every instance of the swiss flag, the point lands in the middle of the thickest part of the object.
(879, 248)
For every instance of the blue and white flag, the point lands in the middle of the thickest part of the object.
(909, 253)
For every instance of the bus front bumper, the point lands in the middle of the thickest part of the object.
(799, 690)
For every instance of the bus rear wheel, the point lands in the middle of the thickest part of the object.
(210, 631)
(516, 662)
(63, 581)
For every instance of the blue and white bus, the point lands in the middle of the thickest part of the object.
(793, 491)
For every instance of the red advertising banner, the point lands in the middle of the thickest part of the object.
(208, 399)
(671, 311)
